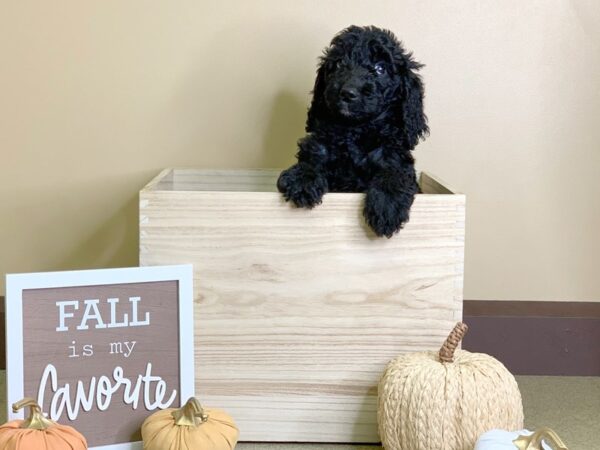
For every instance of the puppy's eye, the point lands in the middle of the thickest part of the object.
(379, 68)
(338, 65)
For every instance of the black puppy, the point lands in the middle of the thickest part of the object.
(365, 118)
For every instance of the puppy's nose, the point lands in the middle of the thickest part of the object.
(349, 94)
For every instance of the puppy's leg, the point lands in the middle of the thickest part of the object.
(305, 183)
(388, 200)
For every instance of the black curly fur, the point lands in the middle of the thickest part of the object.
(365, 118)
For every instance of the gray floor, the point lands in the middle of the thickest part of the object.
(570, 405)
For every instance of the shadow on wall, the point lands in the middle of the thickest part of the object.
(114, 244)
(286, 126)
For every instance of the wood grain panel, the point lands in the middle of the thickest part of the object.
(298, 311)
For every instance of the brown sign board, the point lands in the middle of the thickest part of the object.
(101, 350)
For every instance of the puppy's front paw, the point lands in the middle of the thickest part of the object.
(302, 185)
(385, 213)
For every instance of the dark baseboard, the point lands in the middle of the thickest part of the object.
(530, 338)
(520, 308)
(536, 338)
(2, 336)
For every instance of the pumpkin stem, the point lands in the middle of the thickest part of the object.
(534, 441)
(190, 415)
(36, 419)
(446, 353)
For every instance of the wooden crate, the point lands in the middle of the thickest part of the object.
(298, 311)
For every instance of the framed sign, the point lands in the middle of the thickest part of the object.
(101, 350)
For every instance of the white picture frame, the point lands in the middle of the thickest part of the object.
(17, 283)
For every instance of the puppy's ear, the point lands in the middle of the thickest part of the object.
(409, 99)
(317, 106)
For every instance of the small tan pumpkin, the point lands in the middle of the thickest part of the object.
(189, 428)
(447, 399)
(37, 432)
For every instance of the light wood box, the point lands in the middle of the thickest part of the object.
(298, 311)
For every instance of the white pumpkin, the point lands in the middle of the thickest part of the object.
(521, 440)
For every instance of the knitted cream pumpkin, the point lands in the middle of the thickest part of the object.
(445, 400)
(37, 432)
(189, 428)
(542, 439)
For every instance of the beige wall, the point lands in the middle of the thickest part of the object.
(96, 97)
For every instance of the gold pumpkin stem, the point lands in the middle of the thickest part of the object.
(535, 440)
(446, 353)
(190, 415)
(36, 419)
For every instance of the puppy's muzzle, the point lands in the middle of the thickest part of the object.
(349, 94)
